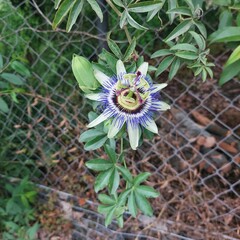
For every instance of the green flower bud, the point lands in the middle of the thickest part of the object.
(83, 72)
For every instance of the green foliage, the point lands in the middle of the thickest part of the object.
(17, 216)
(9, 82)
(228, 31)
(73, 8)
(133, 198)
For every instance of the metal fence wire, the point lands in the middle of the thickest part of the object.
(194, 161)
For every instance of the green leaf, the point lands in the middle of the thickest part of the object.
(125, 173)
(120, 221)
(132, 206)
(74, 13)
(204, 75)
(3, 106)
(234, 56)
(57, 3)
(106, 199)
(109, 217)
(119, 3)
(210, 72)
(90, 135)
(102, 180)
(133, 23)
(145, 6)
(180, 29)
(32, 231)
(180, 10)
(114, 47)
(96, 8)
(141, 178)
(123, 19)
(153, 13)
(201, 27)
(111, 153)
(20, 68)
(238, 20)
(171, 5)
(225, 19)
(187, 55)
(147, 191)
(162, 52)
(227, 34)
(103, 209)
(130, 50)
(166, 62)
(199, 40)
(62, 12)
(110, 59)
(95, 143)
(174, 68)
(12, 78)
(99, 164)
(82, 70)
(143, 204)
(123, 196)
(1, 61)
(103, 68)
(184, 47)
(229, 72)
(114, 181)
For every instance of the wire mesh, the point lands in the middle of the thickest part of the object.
(194, 161)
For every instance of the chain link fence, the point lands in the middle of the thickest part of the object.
(194, 160)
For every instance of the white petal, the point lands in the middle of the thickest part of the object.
(120, 68)
(98, 120)
(162, 106)
(143, 68)
(101, 77)
(158, 87)
(134, 135)
(94, 96)
(115, 127)
(151, 126)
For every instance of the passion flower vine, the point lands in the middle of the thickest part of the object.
(128, 98)
(127, 102)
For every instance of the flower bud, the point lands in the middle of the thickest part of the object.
(83, 72)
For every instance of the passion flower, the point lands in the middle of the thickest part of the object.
(128, 98)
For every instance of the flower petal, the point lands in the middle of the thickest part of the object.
(160, 106)
(158, 87)
(102, 78)
(98, 120)
(134, 134)
(115, 127)
(94, 96)
(120, 68)
(143, 68)
(151, 126)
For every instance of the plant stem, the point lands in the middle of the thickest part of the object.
(120, 14)
(121, 149)
(114, 8)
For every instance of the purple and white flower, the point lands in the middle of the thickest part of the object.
(128, 98)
